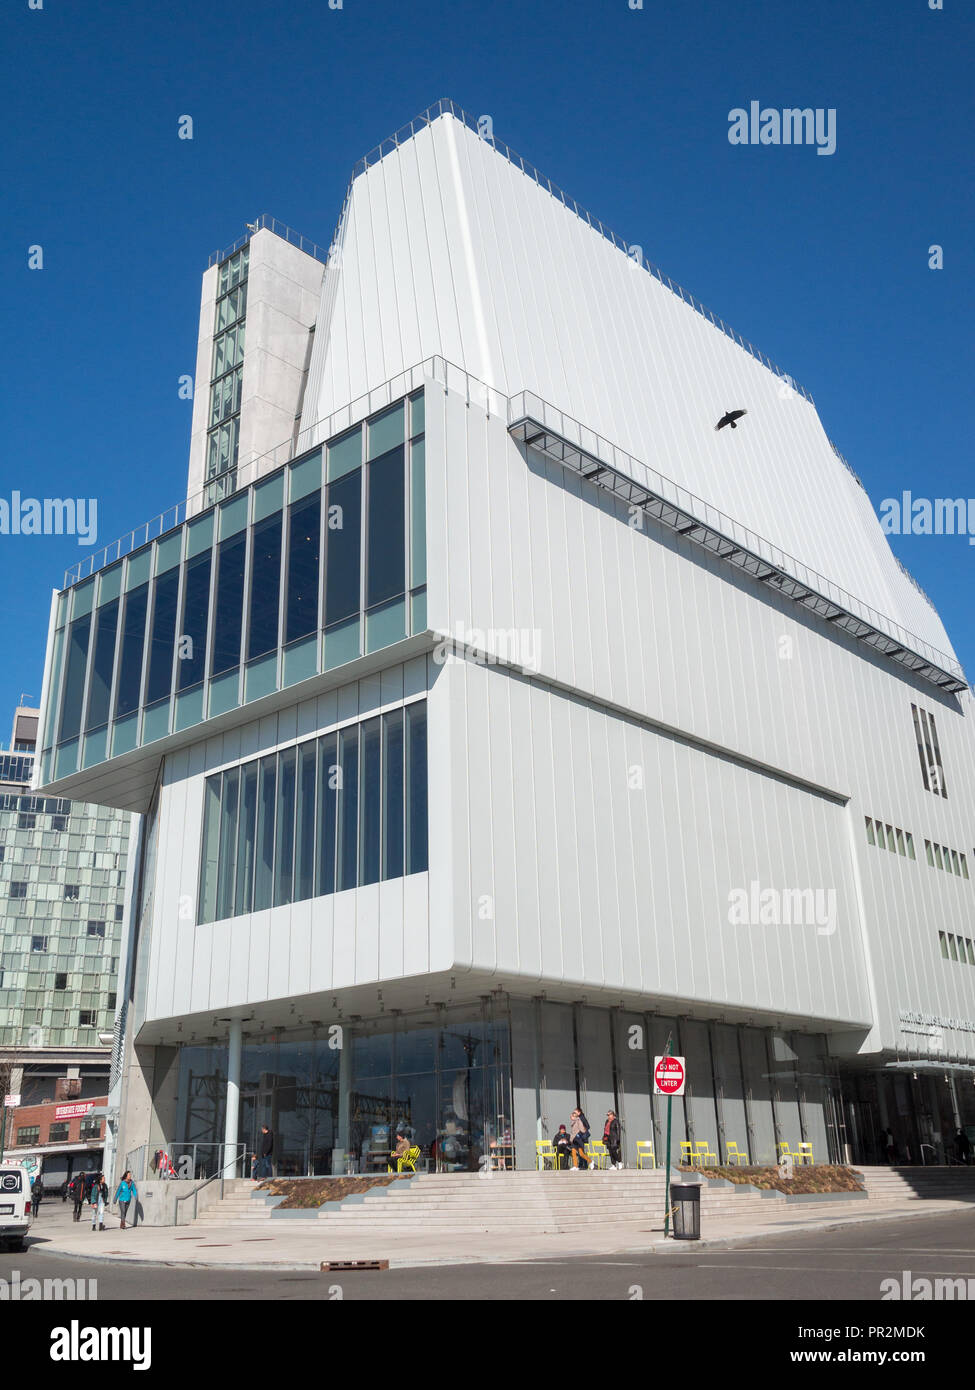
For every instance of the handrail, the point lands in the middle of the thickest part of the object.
(281, 229)
(221, 1174)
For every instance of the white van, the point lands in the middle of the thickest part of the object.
(15, 1208)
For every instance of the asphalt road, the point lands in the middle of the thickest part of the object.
(834, 1265)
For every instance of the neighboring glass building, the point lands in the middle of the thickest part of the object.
(62, 892)
(496, 723)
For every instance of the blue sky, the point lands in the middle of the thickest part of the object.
(822, 262)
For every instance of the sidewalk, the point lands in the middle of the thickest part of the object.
(288, 1245)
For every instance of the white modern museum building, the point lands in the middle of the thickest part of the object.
(492, 717)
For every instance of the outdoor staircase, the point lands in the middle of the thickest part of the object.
(546, 1203)
(925, 1183)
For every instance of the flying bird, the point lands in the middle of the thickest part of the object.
(729, 418)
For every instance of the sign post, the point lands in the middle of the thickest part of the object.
(669, 1076)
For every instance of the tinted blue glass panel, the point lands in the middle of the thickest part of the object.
(102, 662)
(370, 800)
(228, 844)
(393, 795)
(196, 601)
(265, 587)
(328, 776)
(229, 605)
(162, 642)
(386, 536)
(344, 517)
(416, 788)
(246, 839)
(74, 678)
(301, 599)
(346, 855)
(265, 834)
(284, 851)
(305, 822)
(130, 659)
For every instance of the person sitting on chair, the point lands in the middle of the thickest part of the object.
(399, 1153)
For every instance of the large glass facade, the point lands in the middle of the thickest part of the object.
(317, 564)
(226, 376)
(329, 814)
(336, 1100)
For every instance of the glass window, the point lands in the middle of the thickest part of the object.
(344, 455)
(393, 794)
(246, 838)
(130, 659)
(937, 857)
(102, 662)
(416, 788)
(900, 842)
(870, 835)
(418, 516)
(347, 848)
(229, 603)
(910, 846)
(943, 943)
(211, 849)
(370, 800)
(162, 638)
(953, 947)
(964, 866)
(285, 832)
(193, 629)
(386, 535)
(329, 776)
(305, 822)
(265, 587)
(387, 430)
(301, 600)
(954, 862)
(74, 678)
(264, 866)
(228, 843)
(344, 516)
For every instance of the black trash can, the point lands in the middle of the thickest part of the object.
(685, 1201)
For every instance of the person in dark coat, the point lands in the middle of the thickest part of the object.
(613, 1139)
(36, 1193)
(563, 1147)
(265, 1149)
(963, 1146)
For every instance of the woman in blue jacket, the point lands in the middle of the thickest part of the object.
(124, 1194)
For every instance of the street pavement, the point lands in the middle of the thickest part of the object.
(302, 1246)
(846, 1262)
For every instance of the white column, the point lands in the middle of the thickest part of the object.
(233, 1097)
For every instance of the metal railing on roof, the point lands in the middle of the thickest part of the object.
(724, 533)
(254, 470)
(445, 107)
(548, 429)
(281, 229)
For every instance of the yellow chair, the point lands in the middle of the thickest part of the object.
(644, 1151)
(545, 1153)
(597, 1154)
(734, 1154)
(686, 1152)
(784, 1151)
(805, 1154)
(408, 1162)
(702, 1152)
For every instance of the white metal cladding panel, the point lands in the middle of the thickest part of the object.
(375, 932)
(668, 933)
(506, 282)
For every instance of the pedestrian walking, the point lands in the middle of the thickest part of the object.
(36, 1193)
(124, 1194)
(963, 1146)
(613, 1139)
(97, 1197)
(578, 1138)
(265, 1150)
(78, 1194)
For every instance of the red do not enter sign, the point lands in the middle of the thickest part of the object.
(669, 1075)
